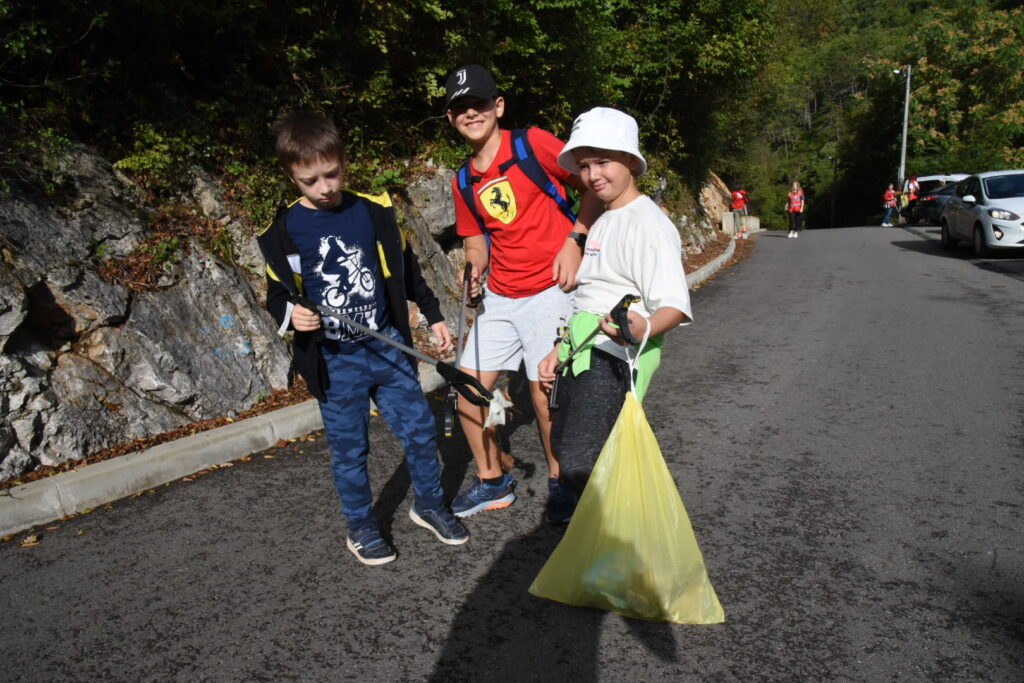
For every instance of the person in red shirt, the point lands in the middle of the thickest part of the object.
(889, 204)
(795, 209)
(739, 210)
(533, 251)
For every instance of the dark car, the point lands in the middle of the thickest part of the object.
(929, 204)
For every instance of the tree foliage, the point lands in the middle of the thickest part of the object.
(764, 92)
(827, 108)
(968, 99)
(161, 85)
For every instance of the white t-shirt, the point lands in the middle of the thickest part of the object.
(632, 250)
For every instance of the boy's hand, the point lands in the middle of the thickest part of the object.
(474, 280)
(546, 369)
(305, 320)
(442, 336)
(567, 263)
(637, 327)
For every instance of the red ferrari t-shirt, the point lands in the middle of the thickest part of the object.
(526, 227)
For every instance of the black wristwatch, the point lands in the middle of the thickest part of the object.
(578, 237)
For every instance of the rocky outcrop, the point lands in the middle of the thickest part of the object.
(87, 363)
(716, 199)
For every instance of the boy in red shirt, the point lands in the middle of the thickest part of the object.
(533, 250)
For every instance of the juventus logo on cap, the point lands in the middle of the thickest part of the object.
(461, 77)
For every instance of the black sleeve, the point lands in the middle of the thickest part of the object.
(277, 299)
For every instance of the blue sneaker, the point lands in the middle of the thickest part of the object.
(369, 547)
(442, 522)
(481, 496)
(561, 502)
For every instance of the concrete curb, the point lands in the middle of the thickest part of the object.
(711, 267)
(67, 493)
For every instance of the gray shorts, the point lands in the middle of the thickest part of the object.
(510, 331)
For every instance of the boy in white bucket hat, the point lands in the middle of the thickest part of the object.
(633, 248)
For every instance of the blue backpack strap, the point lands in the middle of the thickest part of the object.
(522, 154)
(465, 183)
(465, 180)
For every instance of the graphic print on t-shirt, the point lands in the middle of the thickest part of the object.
(498, 199)
(348, 284)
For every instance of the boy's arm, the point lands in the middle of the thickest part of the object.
(287, 314)
(417, 290)
(663, 320)
(476, 255)
(567, 262)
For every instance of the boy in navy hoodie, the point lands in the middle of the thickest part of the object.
(344, 249)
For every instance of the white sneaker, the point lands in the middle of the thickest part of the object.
(790, 235)
(795, 235)
(743, 236)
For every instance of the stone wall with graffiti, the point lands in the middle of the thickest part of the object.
(87, 364)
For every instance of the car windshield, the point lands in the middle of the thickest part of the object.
(1003, 186)
(928, 186)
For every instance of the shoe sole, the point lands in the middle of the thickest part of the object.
(369, 562)
(489, 505)
(423, 523)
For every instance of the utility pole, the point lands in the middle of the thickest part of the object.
(835, 161)
(906, 116)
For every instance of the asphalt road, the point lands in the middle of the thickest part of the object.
(844, 421)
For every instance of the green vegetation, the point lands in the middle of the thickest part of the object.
(763, 92)
(827, 109)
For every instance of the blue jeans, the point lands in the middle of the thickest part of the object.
(889, 211)
(377, 370)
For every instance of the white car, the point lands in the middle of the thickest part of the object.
(929, 183)
(986, 209)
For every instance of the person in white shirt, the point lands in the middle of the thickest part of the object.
(633, 248)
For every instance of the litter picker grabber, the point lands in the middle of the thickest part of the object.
(452, 401)
(465, 384)
(619, 316)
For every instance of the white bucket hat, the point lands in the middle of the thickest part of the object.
(603, 128)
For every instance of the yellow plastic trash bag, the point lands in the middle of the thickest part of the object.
(630, 547)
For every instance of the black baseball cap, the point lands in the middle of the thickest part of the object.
(469, 81)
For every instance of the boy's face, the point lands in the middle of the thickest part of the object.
(608, 174)
(319, 182)
(476, 118)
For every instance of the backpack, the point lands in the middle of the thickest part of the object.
(522, 154)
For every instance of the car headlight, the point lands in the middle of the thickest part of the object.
(1003, 215)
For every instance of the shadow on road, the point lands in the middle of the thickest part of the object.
(504, 633)
(456, 458)
(1002, 262)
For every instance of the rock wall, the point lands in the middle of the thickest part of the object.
(86, 364)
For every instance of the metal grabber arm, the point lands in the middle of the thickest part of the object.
(464, 383)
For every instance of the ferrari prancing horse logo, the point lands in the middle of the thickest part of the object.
(498, 200)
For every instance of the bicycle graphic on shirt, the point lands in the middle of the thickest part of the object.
(346, 275)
